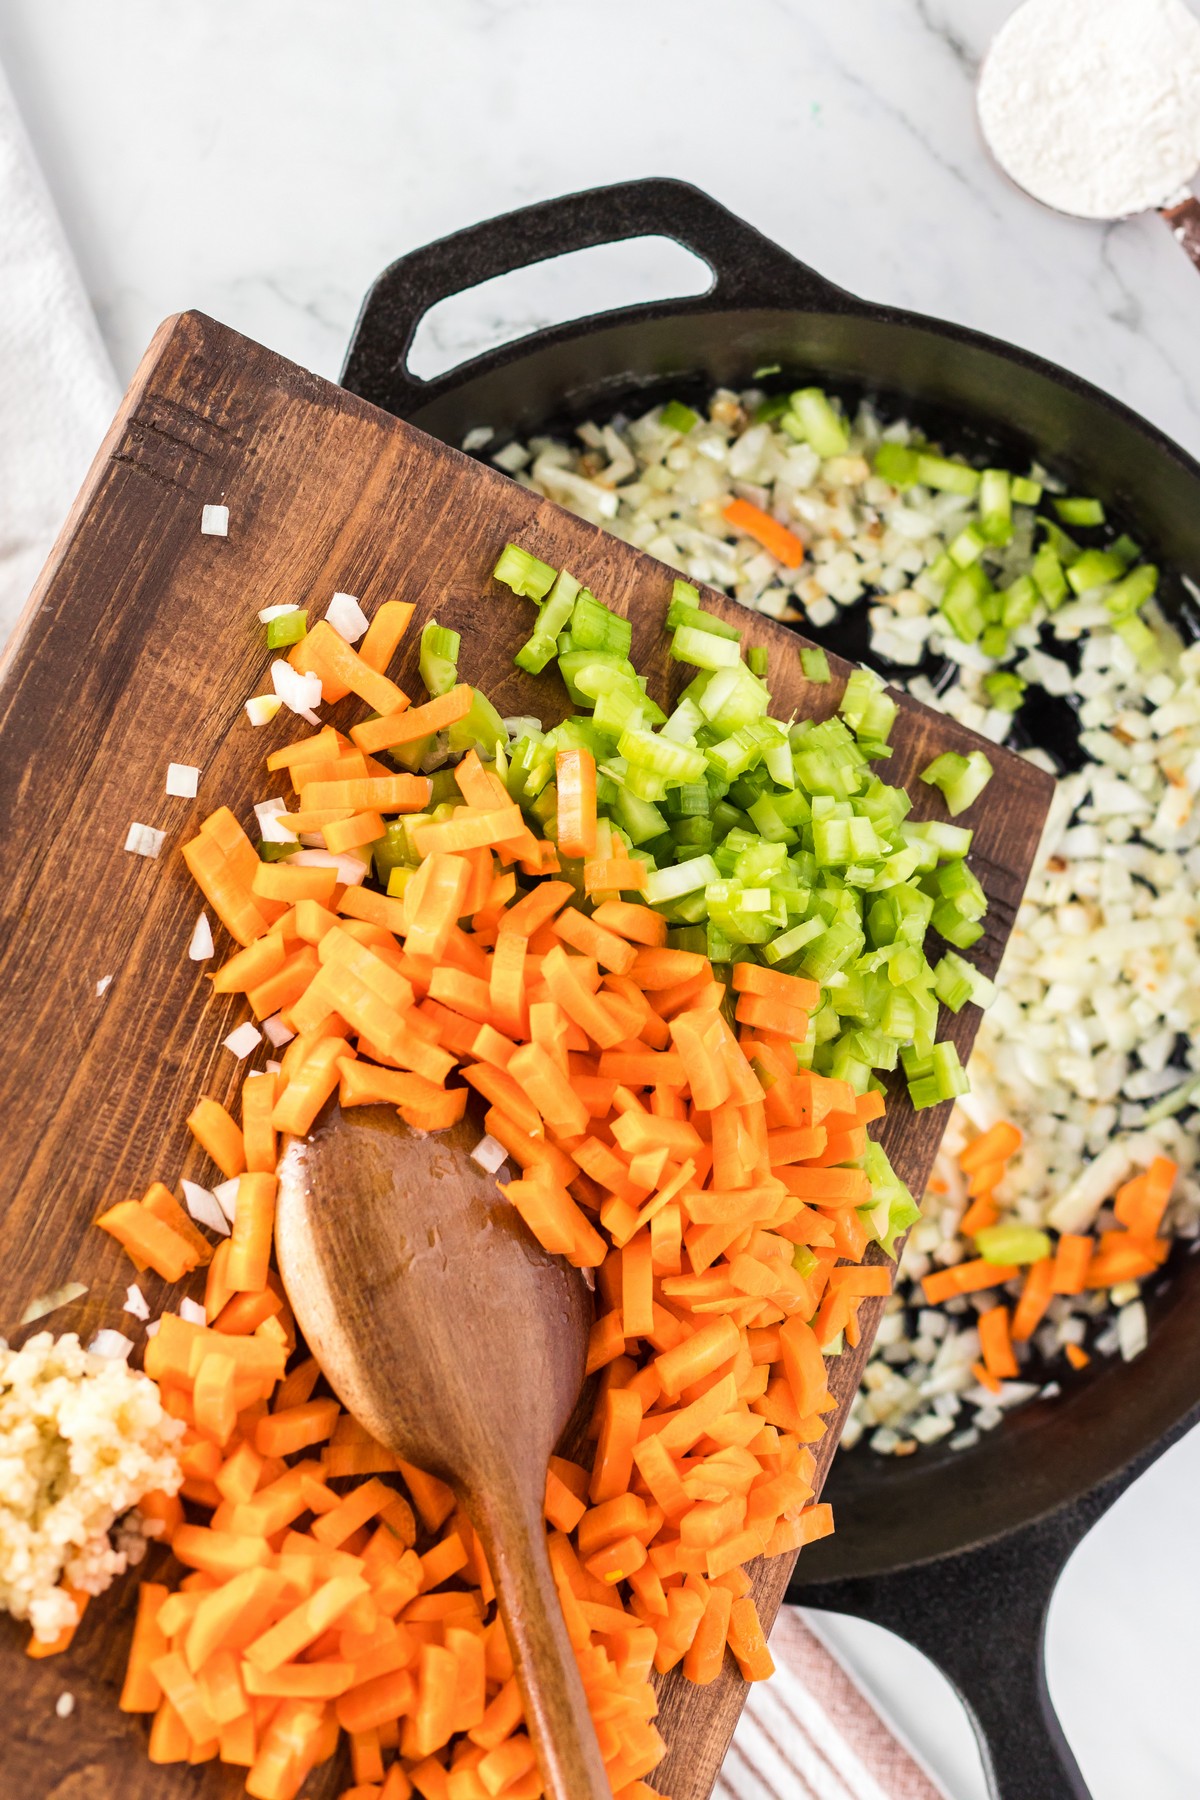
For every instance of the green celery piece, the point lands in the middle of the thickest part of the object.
(967, 547)
(675, 416)
(1095, 568)
(439, 658)
(287, 629)
(638, 818)
(961, 778)
(1063, 545)
(1013, 1243)
(595, 627)
(704, 649)
(1026, 492)
(1125, 548)
(523, 573)
(962, 610)
(1018, 602)
(1005, 690)
(819, 422)
(482, 729)
(1048, 577)
(949, 923)
(756, 659)
(1140, 639)
(995, 505)
(666, 886)
(774, 407)
(672, 762)
(994, 641)
(815, 663)
(1132, 592)
(1078, 511)
(867, 707)
(559, 605)
(687, 612)
(269, 852)
(950, 477)
(896, 463)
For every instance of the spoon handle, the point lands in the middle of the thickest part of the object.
(556, 1709)
(1184, 221)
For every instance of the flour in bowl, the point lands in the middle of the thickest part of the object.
(1093, 106)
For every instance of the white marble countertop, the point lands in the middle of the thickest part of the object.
(264, 160)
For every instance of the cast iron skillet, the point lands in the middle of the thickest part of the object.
(929, 1544)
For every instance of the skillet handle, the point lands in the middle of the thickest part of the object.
(980, 1617)
(748, 271)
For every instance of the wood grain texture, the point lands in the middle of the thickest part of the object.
(140, 645)
(447, 1330)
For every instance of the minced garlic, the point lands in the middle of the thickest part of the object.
(82, 1438)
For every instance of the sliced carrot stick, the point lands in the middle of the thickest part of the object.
(775, 538)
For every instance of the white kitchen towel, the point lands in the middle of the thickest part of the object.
(810, 1733)
(58, 392)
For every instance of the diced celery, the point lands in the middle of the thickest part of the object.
(967, 547)
(1078, 511)
(666, 885)
(651, 751)
(1095, 568)
(1048, 576)
(523, 573)
(867, 707)
(1005, 690)
(287, 629)
(756, 659)
(770, 409)
(941, 472)
(1018, 602)
(704, 649)
(814, 662)
(1026, 492)
(820, 423)
(438, 659)
(961, 608)
(675, 416)
(994, 641)
(1131, 593)
(595, 627)
(961, 778)
(995, 505)
(896, 463)
(481, 730)
(1013, 1243)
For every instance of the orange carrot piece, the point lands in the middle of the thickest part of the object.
(703, 1659)
(1035, 1298)
(151, 1243)
(215, 1132)
(966, 1278)
(1071, 1260)
(575, 777)
(384, 633)
(997, 1144)
(994, 1341)
(253, 1231)
(775, 538)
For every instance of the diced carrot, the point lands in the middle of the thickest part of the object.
(995, 1343)
(215, 1132)
(1071, 1261)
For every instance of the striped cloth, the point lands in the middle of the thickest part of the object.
(810, 1733)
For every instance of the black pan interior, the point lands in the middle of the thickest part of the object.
(978, 397)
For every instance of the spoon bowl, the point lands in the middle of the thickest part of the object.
(460, 1344)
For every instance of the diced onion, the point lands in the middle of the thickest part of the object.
(144, 840)
(192, 1311)
(243, 1041)
(183, 781)
(214, 521)
(263, 708)
(347, 617)
(203, 1206)
(136, 1302)
(226, 1193)
(48, 1303)
(112, 1345)
(201, 946)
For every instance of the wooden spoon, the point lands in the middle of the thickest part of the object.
(459, 1343)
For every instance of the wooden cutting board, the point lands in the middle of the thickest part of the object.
(138, 648)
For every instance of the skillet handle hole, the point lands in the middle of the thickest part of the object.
(603, 278)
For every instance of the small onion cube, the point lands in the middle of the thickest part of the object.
(214, 521)
(103, 985)
(489, 1154)
(267, 613)
(263, 708)
(144, 840)
(183, 781)
(299, 693)
(136, 1302)
(268, 812)
(200, 945)
(226, 1193)
(112, 1345)
(347, 617)
(243, 1041)
(203, 1206)
(192, 1311)
(276, 1032)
